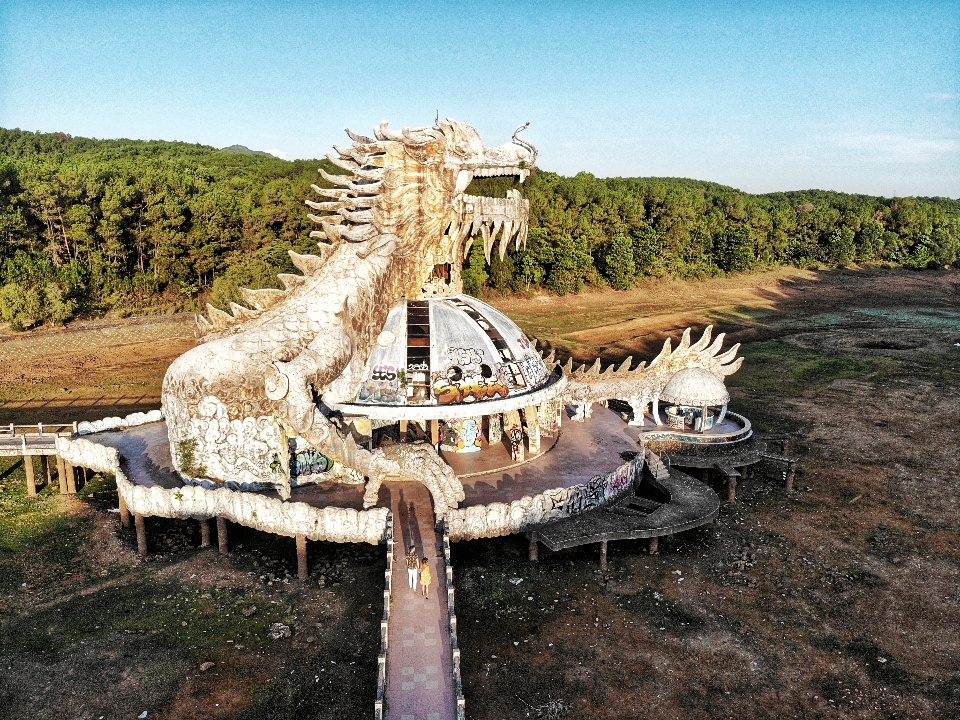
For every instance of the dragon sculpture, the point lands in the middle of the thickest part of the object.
(262, 380)
(641, 386)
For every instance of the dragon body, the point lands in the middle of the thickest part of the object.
(260, 383)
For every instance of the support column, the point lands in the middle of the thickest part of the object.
(71, 478)
(141, 534)
(494, 429)
(603, 554)
(791, 471)
(653, 545)
(434, 432)
(222, 536)
(204, 532)
(533, 428)
(302, 557)
(534, 548)
(124, 512)
(403, 431)
(62, 475)
(46, 470)
(731, 489)
(28, 470)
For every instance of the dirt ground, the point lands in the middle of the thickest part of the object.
(840, 599)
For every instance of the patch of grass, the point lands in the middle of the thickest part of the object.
(775, 366)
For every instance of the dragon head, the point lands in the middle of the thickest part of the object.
(406, 195)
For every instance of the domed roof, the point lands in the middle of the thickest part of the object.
(437, 355)
(695, 387)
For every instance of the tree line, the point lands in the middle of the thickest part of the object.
(95, 226)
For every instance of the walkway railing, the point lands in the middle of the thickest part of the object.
(454, 644)
(11, 430)
(379, 705)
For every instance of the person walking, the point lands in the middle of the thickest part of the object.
(425, 578)
(413, 566)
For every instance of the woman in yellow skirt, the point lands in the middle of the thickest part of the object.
(425, 578)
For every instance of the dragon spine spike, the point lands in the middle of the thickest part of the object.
(318, 235)
(664, 354)
(335, 193)
(262, 299)
(717, 344)
(325, 219)
(357, 138)
(339, 180)
(595, 368)
(307, 264)
(333, 205)
(219, 318)
(291, 281)
(568, 366)
(551, 359)
(684, 345)
(731, 368)
(351, 166)
(358, 234)
(625, 365)
(728, 355)
(203, 325)
(358, 216)
(242, 313)
(703, 341)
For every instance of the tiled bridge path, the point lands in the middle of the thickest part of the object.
(420, 682)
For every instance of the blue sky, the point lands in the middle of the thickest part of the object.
(763, 96)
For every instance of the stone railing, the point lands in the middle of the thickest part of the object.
(454, 643)
(379, 703)
(269, 514)
(495, 519)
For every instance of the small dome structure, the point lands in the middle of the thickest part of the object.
(450, 357)
(695, 387)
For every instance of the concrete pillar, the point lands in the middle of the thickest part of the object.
(204, 532)
(62, 475)
(302, 557)
(141, 534)
(434, 432)
(28, 470)
(603, 554)
(653, 545)
(534, 548)
(533, 428)
(222, 545)
(731, 489)
(71, 478)
(46, 470)
(791, 471)
(494, 429)
(124, 512)
(403, 431)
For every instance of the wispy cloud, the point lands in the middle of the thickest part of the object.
(899, 148)
(282, 154)
(945, 96)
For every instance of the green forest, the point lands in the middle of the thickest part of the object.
(90, 227)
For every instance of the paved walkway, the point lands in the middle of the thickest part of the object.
(419, 660)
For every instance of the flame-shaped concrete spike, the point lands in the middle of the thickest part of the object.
(521, 237)
(307, 264)
(357, 234)
(717, 344)
(357, 138)
(332, 206)
(684, 345)
(383, 132)
(595, 368)
(568, 367)
(263, 298)
(625, 365)
(339, 180)
(731, 368)
(704, 339)
(203, 325)
(728, 355)
(551, 359)
(359, 216)
(664, 353)
(335, 193)
(242, 313)
(318, 235)
(291, 281)
(332, 230)
(219, 318)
